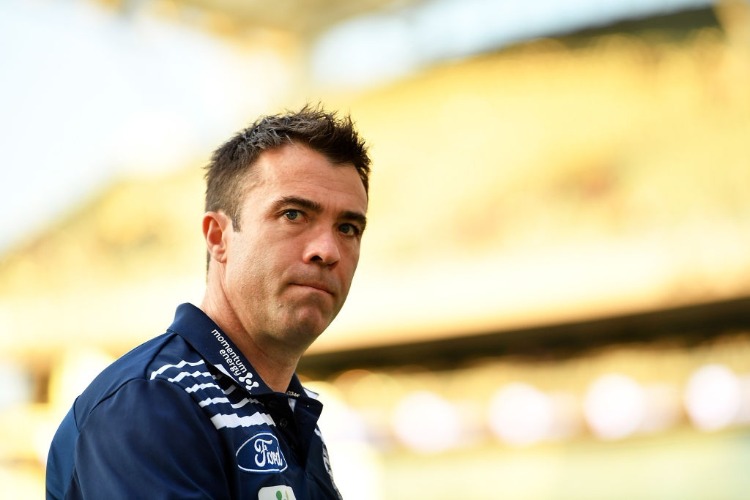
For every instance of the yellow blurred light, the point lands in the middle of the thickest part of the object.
(427, 423)
(17, 386)
(713, 397)
(614, 406)
(73, 372)
(520, 414)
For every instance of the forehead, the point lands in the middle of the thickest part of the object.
(298, 170)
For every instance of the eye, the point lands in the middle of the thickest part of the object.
(350, 229)
(292, 214)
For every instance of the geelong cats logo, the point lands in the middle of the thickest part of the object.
(261, 453)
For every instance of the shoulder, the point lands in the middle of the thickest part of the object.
(137, 365)
(150, 430)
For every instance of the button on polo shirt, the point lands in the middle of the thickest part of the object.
(185, 415)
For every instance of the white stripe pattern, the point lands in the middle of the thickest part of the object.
(233, 420)
(182, 375)
(220, 400)
(198, 387)
(212, 401)
(219, 420)
(181, 364)
(244, 402)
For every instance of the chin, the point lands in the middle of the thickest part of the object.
(308, 329)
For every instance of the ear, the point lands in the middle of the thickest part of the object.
(216, 227)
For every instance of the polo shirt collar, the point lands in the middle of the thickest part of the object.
(205, 336)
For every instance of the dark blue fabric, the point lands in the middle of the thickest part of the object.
(185, 416)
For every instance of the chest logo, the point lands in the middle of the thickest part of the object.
(261, 453)
(276, 493)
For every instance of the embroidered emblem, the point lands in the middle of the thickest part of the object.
(261, 453)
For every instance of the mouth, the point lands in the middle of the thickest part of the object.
(318, 287)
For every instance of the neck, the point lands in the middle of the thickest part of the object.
(276, 373)
(274, 364)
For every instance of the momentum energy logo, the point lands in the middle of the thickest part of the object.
(234, 362)
(261, 453)
(236, 366)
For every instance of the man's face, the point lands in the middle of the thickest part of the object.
(290, 265)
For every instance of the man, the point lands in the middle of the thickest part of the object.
(213, 408)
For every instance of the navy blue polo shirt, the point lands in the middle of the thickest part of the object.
(185, 416)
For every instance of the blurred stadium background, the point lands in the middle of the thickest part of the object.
(553, 300)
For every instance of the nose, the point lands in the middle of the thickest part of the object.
(322, 249)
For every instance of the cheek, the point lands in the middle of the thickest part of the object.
(354, 259)
(347, 270)
(244, 264)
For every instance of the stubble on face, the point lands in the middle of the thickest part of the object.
(277, 294)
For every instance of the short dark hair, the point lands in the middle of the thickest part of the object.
(322, 131)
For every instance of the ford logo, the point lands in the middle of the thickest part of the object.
(261, 453)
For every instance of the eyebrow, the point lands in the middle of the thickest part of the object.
(315, 207)
(312, 206)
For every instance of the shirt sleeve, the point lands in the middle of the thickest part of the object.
(149, 440)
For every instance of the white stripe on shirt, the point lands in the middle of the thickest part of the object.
(181, 364)
(233, 420)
